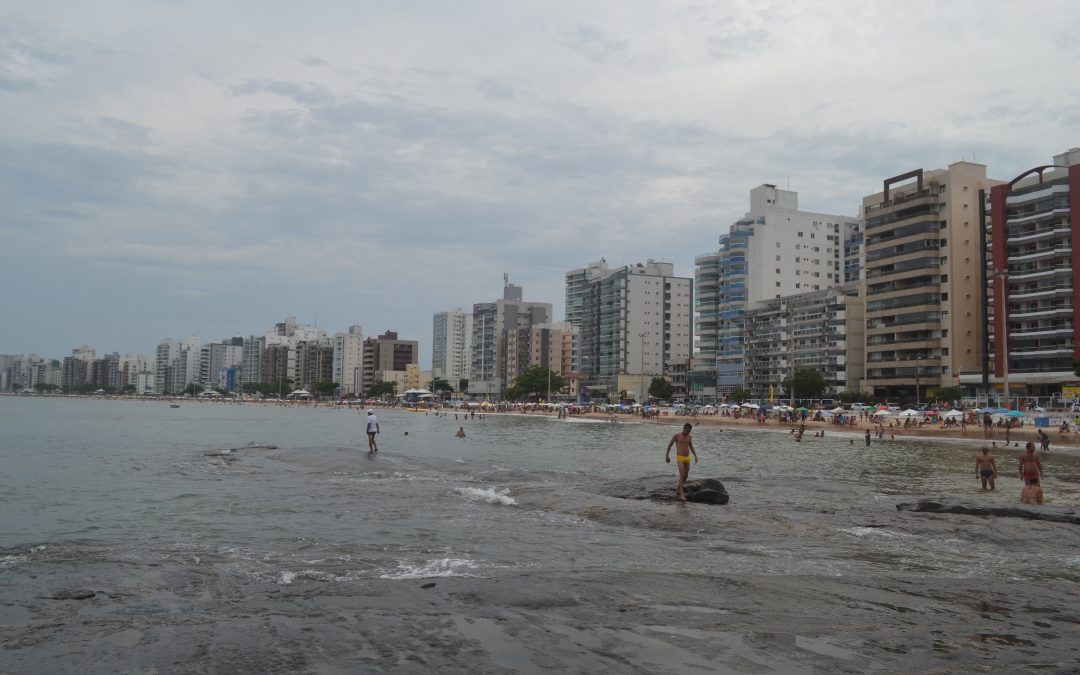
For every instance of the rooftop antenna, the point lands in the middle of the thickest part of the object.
(506, 279)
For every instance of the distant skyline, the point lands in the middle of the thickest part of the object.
(183, 168)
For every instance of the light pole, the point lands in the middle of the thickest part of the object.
(641, 371)
(1003, 277)
(917, 397)
(791, 350)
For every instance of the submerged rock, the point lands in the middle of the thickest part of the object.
(255, 447)
(662, 489)
(73, 594)
(1055, 514)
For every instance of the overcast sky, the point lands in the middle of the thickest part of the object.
(172, 168)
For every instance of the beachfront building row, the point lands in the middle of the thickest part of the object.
(633, 323)
(774, 250)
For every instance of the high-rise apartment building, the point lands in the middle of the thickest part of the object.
(577, 284)
(820, 331)
(774, 250)
(635, 320)
(214, 359)
(923, 267)
(1032, 270)
(497, 343)
(451, 346)
(349, 359)
(386, 352)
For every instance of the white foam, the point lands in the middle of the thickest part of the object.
(442, 567)
(872, 531)
(286, 577)
(488, 495)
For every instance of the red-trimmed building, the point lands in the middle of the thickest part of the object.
(1033, 271)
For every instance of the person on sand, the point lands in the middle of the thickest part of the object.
(1032, 492)
(985, 468)
(372, 429)
(1030, 466)
(684, 445)
(868, 438)
(460, 432)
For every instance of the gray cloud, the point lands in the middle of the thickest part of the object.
(393, 163)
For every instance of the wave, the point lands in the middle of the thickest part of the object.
(441, 567)
(872, 531)
(488, 495)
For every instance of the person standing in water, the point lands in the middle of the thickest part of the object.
(460, 432)
(985, 467)
(684, 445)
(372, 429)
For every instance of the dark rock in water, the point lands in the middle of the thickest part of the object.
(662, 489)
(1054, 514)
(429, 585)
(73, 594)
(255, 447)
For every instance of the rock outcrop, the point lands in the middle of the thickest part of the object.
(1055, 514)
(662, 489)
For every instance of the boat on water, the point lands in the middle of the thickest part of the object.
(174, 405)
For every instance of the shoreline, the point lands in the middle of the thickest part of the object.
(972, 435)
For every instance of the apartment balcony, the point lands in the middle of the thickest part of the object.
(1040, 312)
(1064, 252)
(1052, 291)
(1027, 234)
(1041, 332)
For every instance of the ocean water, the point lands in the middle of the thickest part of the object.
(207, 550)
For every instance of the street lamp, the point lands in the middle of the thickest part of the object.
(791, 350)
(1003, 276)
(641, 371)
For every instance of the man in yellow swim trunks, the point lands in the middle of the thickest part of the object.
(683, 447)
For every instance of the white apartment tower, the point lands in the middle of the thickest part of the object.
(774, 250)
(451, 346)
(349, 359)
(635, 320)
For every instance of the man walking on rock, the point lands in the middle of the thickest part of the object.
(683, 447)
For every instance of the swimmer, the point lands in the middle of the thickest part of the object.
(460, 432)
(1032, 493)
(684, 445)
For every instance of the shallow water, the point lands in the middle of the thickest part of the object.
(170, 511)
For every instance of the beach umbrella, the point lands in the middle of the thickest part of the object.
(837, 410)
(883, 413)
(953, 414)
(801, 409)
(783, 408)
(1014, 413)
(909, 413)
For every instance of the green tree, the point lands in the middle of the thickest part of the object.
(661, 389)
(463, 385)
(950, 394)
(438, 385)
(45, 387)
(324, 388)
(128, 390)
(192, 390)
(739, 395)
(535, 381)
(808, 384)
(381, 389)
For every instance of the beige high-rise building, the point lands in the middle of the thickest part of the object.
(923, 264)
